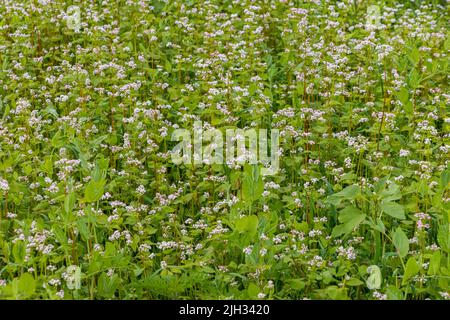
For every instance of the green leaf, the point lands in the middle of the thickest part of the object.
(94, 190)
(413, 78)
(27, 169)
(19, 251)
(435, 263)
(247, 225)
(253, 291)
(336, 293)
(394, 210)
(348, 214)
(392, 193)
(168, 66)
(6, 112)
(252, 184)
(83, 229)
(403, 95)
(247, 186)
(58, 140)
(350, 217)
(26, 285)
(296, 284)
(348, 193)
(51, 111)
(338, 230)
(60, 235)
(393, 293)
(380, 226)
(106, 285)
(47, 166)
(69, 202)
(443, 237)
(445, 178)
(447, 42)
(411, 269)
(353, 282)
(401, 242)
(414, 55)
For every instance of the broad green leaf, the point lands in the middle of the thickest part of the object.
(69, 202)
(435, 263)
(411, 269)
(52, 111)
(248, 225)
(414, 55)
(106, 285)
(253, 291)
(353, 282)
(393, 293)
(27, 169)
(94, 190)
(252, 185)
(379, 185)
(57, 140)
(47, 166)
(445, 178)
(338, 230)
(413, 78)
(403, 95)
(350, 217)
(168, 66)
(83, 229)
(447, 42)
(59, 233)
(392, 193)
(26, 285)
(336, 293)
(380, 226)
(247, 189)
(443, 237)
(401, 242)
(19, 251)
(348, 214)
(393, 209)
(347, 193)
(297, 284)
(6, 112)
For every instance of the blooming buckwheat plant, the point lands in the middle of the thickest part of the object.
(93, 207)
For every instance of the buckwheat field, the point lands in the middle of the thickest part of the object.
(351, 98)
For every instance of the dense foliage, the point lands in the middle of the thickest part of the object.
(92, 207)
